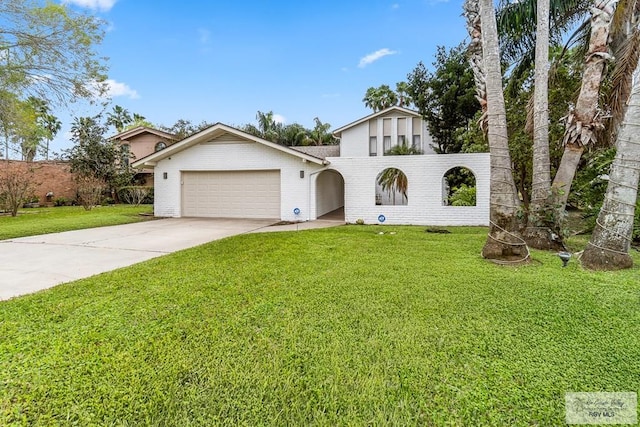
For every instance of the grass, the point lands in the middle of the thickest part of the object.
(31, 222)
(339, 326)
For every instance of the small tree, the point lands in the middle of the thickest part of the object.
(90, 190)
(16, 185)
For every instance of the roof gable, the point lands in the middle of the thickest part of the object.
(216, 132)
(130, 133)
(382, 113)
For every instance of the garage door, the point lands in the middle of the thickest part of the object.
(231, 194)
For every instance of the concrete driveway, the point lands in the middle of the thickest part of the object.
(29, 264)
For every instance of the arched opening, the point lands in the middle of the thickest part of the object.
(160, 146)
(459, 187)
(330, 195)
(392, 187)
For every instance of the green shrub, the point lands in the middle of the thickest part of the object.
(61, 201)
(463, 195)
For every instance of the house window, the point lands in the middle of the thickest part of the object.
(373, 146)
(125, 152)
(402, 140)
(416, 142)
(387, 143)
(160, 146)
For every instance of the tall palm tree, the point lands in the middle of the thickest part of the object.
(504, 241)
(471, 12)
(537, 234)
(379, 98)
(320, 134)
(584, 120)
(609, 246)
(393, 180)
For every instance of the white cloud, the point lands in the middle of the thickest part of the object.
(103, 5)
(278, 118)
(120, 89)
(395, 6)
(372, 57)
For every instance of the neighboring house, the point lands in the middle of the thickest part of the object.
(225, 172)
(139, 142)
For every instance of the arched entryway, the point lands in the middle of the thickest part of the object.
(330, 195)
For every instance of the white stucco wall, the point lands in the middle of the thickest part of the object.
(232, 155)
(354, 142)
(424, 174)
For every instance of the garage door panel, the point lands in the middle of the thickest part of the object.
(233, 194)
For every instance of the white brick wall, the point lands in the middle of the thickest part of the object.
(425, 174)
(231, 155)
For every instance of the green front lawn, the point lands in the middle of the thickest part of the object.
(338, 326)
(31, 222)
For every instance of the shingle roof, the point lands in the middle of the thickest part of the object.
(320, 151)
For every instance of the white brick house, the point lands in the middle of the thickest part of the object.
(224, 172)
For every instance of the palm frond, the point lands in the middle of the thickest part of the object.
(621, 81)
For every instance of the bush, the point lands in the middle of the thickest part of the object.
(463, 196)
(61, 201)
(89, 191)
(136, 194)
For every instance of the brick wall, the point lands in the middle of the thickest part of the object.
(49, 176)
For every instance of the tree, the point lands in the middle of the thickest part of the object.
(504, 241)
(609, 246)
(380, 98)
(393, 180)
(538, 234)
(48, 51)
(119, 118)
(16, 185)
(320, 134)
(404, 97)
(92, 154)
(584, 120)
(183, 128)
(446, 97)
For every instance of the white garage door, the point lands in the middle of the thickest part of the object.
(231, 194)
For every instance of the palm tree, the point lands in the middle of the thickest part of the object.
(269, 129)
(320, 134)
(538, 234)
(402, 90)
(609, 246)
(471, 12)
(119, 118)
(393, 180)
(584, 120)
(504, 241)
(380, 98)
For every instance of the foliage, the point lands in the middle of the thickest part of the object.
(393, 180)
(62, 201)
(445, 97)
(95, 156)
(135, 194)
(463, 195)
(379, 98)
(16, 186)
(48, 51)
(46, 220)
(119, 117)
(403, 329)
(183, 128)
(90, 189)
(402, 150)
(293, 134)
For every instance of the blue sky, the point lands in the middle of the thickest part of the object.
(222, 61)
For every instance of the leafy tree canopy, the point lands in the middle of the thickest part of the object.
(445, 97)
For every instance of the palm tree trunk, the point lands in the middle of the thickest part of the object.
(538, 234)
(609, 246)
(474, 52)
(583, 120)
(504, 241)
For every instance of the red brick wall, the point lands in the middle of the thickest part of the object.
(48, 176)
